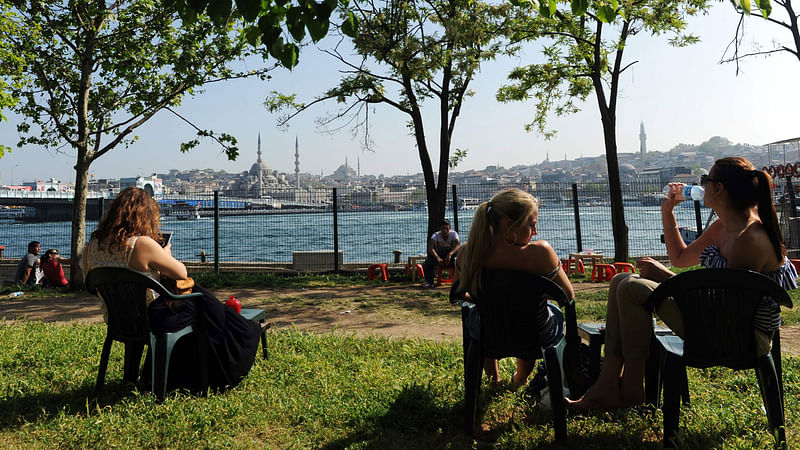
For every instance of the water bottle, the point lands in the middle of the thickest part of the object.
(15, 294)
(686, 192)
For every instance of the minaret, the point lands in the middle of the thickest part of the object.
(358, 161)
(260, 172)
(296, 164)
(345, 169)
(642, 142)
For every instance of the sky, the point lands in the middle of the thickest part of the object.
(683, 95)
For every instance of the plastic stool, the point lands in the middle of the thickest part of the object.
(371, 271)
(572, 266)
(624, 267)
(441, 278)
(420, 272)
(603, 272)
(795, 263)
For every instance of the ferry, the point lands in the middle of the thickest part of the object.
(469, 203)
(184, 211)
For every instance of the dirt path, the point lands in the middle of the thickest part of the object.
(413, 312)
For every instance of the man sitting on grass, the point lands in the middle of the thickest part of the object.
(442, 248)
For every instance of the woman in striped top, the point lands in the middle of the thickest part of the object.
(746, 236)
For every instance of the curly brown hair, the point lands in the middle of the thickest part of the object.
(133, 213)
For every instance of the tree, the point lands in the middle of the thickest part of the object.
(788, 24)
(11, 63)
(412, 51)
(585, 54)
(98, 70)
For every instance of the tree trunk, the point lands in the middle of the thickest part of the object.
(78, 240)
(618, 226)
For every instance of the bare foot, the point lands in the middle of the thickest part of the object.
(605, 398)
(631, 396)
(518, 381)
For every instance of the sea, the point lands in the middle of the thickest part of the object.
(363, 236)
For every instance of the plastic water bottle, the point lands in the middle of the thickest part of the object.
(687, 192)
(15, 294)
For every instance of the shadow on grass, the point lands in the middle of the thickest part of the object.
(16, 410)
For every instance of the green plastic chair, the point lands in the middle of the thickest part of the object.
(123, 291)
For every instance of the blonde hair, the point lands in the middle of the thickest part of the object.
(514, 204)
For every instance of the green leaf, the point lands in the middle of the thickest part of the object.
(317, 27)
(765, 6)
(249, 9)
(746, 5)
(350, 25)
(219, 10)
(606, 14)
(293, 23)
(579, 7)
(547, 8)
(289, 55)
(276, 48)
(331, 4)
(253, 35)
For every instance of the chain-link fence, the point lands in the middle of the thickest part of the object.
(303, 230)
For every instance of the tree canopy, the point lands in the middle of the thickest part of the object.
(584, 49)
(409, 53)
(94, 71)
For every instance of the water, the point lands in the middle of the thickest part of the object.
(368, 236)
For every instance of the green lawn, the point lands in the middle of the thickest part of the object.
(334, 391)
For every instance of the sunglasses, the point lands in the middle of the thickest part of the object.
(705, 178)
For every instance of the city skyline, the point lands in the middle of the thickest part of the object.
(682, 96)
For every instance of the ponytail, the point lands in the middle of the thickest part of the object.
(766, 212)
(472, 256)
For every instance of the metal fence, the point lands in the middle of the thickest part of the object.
(304, 230)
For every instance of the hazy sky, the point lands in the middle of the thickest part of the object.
(683, 95)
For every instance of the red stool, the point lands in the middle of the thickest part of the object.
(420, 272)
(626, 267)
(603, 272)
(795, 263)
(572, 266)
(442, 278)
(384, 269)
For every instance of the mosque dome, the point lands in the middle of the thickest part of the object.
(259, 166)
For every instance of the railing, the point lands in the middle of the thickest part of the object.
(368, 225)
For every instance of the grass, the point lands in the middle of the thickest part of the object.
(333, 391)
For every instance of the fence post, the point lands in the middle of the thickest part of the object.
(455, 209)
(697, 219)
(577, 217)
(792, 199)
(335, 232)
(100, 208)
(216, 231)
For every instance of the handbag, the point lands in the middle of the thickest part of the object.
(178, 287)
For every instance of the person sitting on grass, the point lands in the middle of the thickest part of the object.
(746, 236)
(28, 265)
(442, 248)
(500, 238)
(53, 271)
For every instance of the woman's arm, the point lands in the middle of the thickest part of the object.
(545, 260)
(680, 254)
(148, 254)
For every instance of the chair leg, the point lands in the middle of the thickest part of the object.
(159, 374)
(672, 405)
(133, 356)
(555, 384)
(652, 374)
(101, 372)
(264, 344)
(769, 384)
(472, 384)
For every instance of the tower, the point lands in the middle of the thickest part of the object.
(260, 172)
(296, 163)
(358, 164)
(642, 141)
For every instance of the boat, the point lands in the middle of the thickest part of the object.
(468, 203)
(185, 211)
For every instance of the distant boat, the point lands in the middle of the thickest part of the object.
(184, 211)
(469, 203)
(11, 213)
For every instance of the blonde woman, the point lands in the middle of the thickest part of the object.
(500, 238)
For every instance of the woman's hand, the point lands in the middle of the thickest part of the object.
(671, 201)
(653, 270)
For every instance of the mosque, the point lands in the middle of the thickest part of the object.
(260, 180)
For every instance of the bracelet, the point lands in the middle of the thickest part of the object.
(670, 229)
